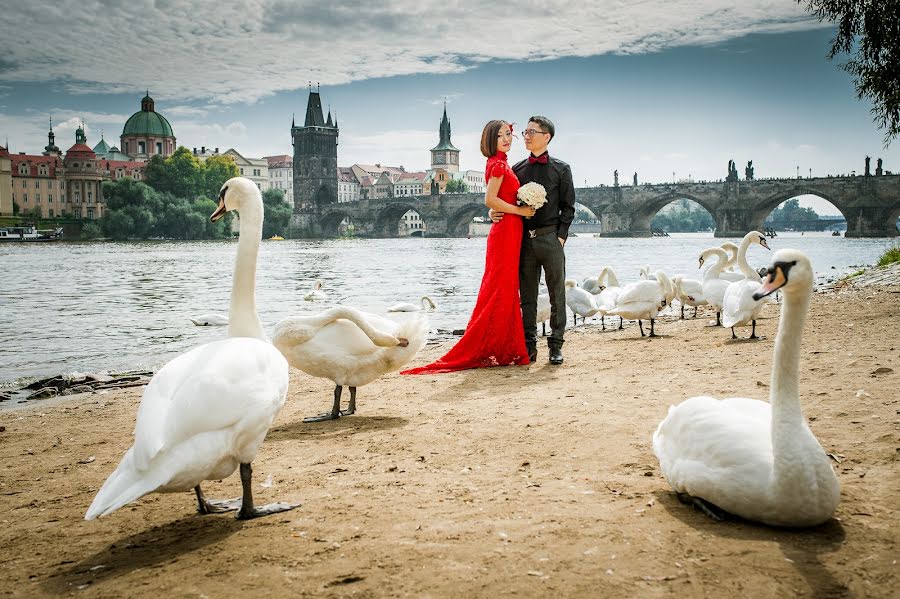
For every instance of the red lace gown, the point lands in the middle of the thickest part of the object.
(494, 335)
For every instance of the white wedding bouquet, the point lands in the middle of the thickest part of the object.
(532, 194)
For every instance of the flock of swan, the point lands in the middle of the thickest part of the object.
(730, 293)
(206, 412)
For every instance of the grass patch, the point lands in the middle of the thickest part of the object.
(890, 256)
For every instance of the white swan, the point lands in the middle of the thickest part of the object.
(349, 347)
(739, 307)
(755, 459)
(210, 320)
(208, 410)
(579, 301)
(592, 285)
(728, 273)
(425, 303)
(316, 294)
(607, 298)
(714, 287)
(544, 310)
(643, 300)
(689, 292)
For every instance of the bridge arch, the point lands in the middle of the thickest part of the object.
(330, 222)
(762, 209)
(388, 218)
(458, 221)
(644, 214)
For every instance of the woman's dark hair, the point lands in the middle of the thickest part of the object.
(489, 137)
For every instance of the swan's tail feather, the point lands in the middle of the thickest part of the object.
(123, 486)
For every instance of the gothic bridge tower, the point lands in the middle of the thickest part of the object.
(315, 167)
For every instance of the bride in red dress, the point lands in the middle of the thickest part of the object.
(494, 335)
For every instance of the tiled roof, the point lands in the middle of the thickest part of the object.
(277, 160)
(81, 149)
(33, 162)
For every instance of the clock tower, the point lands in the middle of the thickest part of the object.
(444, 155)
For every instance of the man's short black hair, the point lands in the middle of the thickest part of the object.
(545, 123)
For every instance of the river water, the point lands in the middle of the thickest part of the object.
(93, 307)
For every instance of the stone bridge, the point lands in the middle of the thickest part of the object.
(870, 204)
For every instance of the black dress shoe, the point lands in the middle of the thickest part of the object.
(556, 355)
(532, 355)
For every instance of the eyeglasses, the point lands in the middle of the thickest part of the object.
(531, 132)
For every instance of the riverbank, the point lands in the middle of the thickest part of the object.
(530, 481)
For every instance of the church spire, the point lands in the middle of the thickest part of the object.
(51, 148)
(314, 110)
(444, 131)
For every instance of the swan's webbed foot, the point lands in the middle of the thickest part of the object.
(335, 412)
(205, 506)
(249, 511)
(753, 334)
(710, 510)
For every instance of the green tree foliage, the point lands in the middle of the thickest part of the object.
(184, 176)
(15, 209)
(91, 230)
(135, 210)
(278, 214)
(457, 186)
(789, 215)
(872, 29)
(683, 217)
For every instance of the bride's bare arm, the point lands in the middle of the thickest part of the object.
(492, 201)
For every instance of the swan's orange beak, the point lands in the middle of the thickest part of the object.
(776, 278)
(220, 210)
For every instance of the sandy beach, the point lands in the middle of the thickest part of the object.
(534, 481)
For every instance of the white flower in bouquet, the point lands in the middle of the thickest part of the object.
(532, 194)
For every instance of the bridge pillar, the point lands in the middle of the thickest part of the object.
(734, 222)
(306, 226)
(871, 221)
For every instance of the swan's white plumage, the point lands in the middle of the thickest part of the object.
(425, 303)
(755, 459)
(580, 301)
(738, 306)
(713, 287)
(606, 300)
(315, 294)
(689, 291)
(642, 300)
(543, 307)
(208, 410)
(347, 346)
(210, 320)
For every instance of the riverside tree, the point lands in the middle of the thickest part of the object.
(278, 214)
(869, 31)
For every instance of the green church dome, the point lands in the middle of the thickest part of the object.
(147, 122)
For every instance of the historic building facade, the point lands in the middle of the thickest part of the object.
(147, 133)
(315, 161)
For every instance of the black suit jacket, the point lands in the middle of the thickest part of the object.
(556, 177)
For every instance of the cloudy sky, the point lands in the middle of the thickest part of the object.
(663, 88)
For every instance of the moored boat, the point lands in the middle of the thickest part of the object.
(30, 233)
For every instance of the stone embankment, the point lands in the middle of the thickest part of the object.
(877, 276)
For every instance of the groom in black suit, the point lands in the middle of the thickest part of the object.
(544, 237)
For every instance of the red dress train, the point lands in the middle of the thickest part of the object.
(494, 335)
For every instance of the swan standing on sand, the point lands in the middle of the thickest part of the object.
(210, 320)
(579, 301)
(747, 457)
(425, 303)
(349, 347)
(689, 292)
(316, 294)
(644, 299)
(739, 307)
(713, 287)
(607, 298)
(208, 410)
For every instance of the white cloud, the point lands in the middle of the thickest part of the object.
(242, 51)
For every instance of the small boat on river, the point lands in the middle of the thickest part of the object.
(30, 233)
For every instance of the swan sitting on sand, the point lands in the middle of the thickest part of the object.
(207, 411)
(755, 459)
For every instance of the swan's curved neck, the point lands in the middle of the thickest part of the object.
(743, 265)
(715, 269)
(243, 321)
(611, 280)
(784, 396)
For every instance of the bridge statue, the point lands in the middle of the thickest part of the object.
(732, 171)
(878, 171)
(868, 172)
(615, 178)
(748, 172)
(635, 179)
